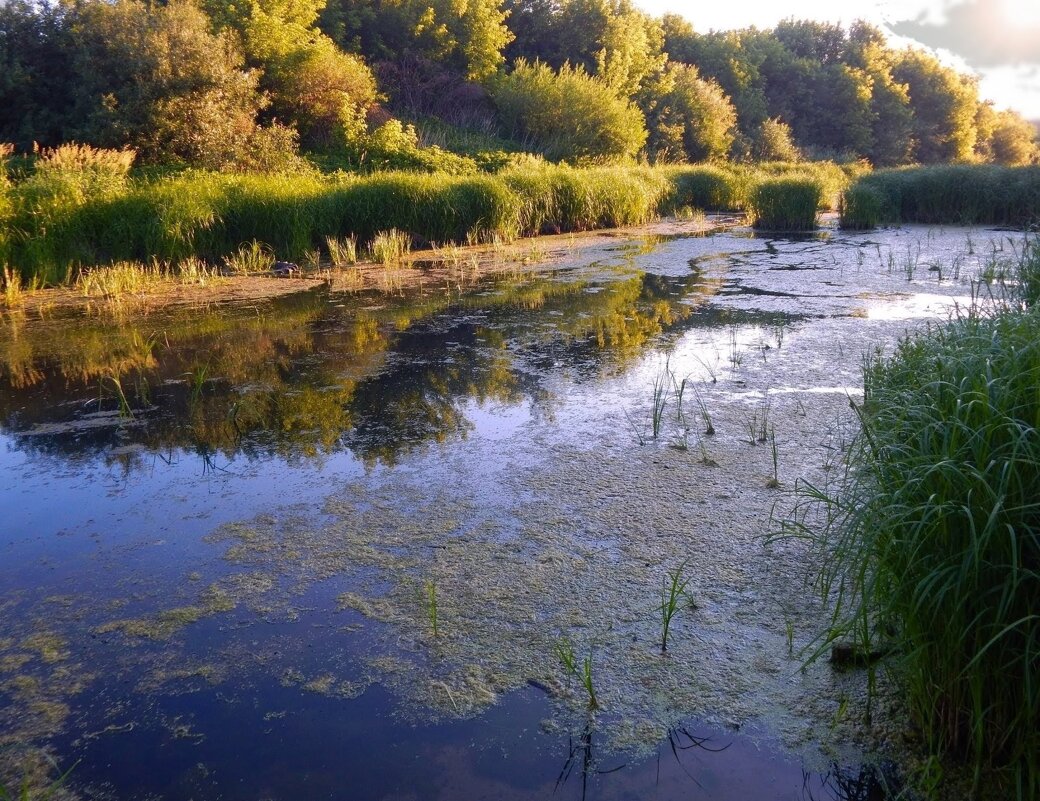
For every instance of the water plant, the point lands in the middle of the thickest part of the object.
(582, 671)
(930, 540)
(774, 482)
(342, 250)
(702, 410)
(786, 204)
(431, 605)
(935, 195)
(673, 592)
(389, 247)
(251, 258)
(660, 401)
(13, 290)
(31, 787)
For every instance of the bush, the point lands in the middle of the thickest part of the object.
(931, 542)
(786, 204)
(155, 78)
(568, 115)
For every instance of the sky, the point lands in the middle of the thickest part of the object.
(997, 40)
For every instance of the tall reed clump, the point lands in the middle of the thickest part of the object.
(556, 199)
(713, 188)
(957, 194)
(862, 208)
(37, 224)
(932, 541)
(785, 204)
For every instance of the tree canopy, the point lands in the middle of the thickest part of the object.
(229, 84)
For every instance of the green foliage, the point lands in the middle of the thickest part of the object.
(322, 91)
(689, 119)
(936, 195)
(773, 141)
(463, 35)
(611, 39)
(673, 591)
(155, 78)
(931, 540)
(568, 115)
(36, 92)
(67, 219)
(786, 204)
(944, 105)
(713, 188)
(1013, 141)
(862, 208)
(555, 199)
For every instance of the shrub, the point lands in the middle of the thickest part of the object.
(155, 78)
(786, 204)
(568, 115)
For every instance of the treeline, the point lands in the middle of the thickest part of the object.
(375, 84)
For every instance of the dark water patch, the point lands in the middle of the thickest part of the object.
(298, 744)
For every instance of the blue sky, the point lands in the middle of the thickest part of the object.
(997, 40)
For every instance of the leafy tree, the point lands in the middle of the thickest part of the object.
(610, 39)
(1013, 140)
(569, 114)
(689, 119)
(944, 105)
(467, 36)
(35, 90)
(155, 78)
(321, 90)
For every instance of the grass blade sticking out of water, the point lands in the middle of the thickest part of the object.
(660, 401)
(673, 592)
(431, 606)
(774, 482)
(583, 671)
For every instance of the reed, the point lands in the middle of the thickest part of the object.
(940, 195)
(930, 541)
(786, 204)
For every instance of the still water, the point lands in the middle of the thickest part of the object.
(340, 545)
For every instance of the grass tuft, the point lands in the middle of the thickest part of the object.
(931, 543)
(390, 247)
(786, 203)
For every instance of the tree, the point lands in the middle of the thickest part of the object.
(35, 90)
(1014, 140)
(569, 114)
(312, 84)
(467, 36)
(155, 78)
(689, 119)
(944, 105)
(610, 39)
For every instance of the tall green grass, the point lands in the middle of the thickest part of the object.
(786, 203)
(982, 194)
(932, 542)
(58, 221)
